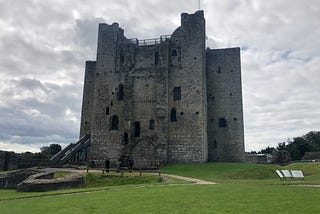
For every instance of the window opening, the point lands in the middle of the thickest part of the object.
(156, 58)
(222, 122)
(151, 124)
(114, 122)
(174, 52)
(120, 92)
(177, 93)
(173, 115)
(215, 144)
(136, 129)
(126, 138)
(121, 58)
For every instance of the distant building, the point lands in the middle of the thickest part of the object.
(161, 100)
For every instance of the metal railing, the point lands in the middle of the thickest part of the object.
(146, 42)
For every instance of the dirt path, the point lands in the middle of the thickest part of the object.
(192, 180)
(305, 185)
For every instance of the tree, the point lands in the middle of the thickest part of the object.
(51, 150)
(298, 146)
(268, 150)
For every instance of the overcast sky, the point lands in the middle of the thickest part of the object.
(44, 44)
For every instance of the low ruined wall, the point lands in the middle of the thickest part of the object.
(45, 182)
(311, 156)
(8, 161)
(10, 180)
(259, 158)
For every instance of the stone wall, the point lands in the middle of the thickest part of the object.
(187, 137)
(311, 156)
(45, 182)
(8, 160)
(10, 180)
(259, 158)
(225, 114)
(87, 100)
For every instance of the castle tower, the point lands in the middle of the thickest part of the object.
(162, 100)
(187, 136)
(225, 114)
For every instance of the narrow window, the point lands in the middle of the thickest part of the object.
(177, 93)
(174, 52)
(107, 111)
(121, 58)
(156, 58)
(151, 124)
(136, 129)
(215, 144)
(222, 122)
(126, 138)
(114, 122)
(173, 115)
(120, 92)
(219, 69)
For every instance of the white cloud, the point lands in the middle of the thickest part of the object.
(44, 44)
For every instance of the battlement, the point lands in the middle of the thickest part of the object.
(146, 42)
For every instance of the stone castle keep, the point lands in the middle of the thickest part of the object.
(163, 100)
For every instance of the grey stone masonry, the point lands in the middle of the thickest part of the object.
(224, 95)
(87, 100)
(150, 100)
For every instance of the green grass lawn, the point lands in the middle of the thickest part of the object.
(242, 188)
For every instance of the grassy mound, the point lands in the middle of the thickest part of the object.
(222, 171)
(98, 179)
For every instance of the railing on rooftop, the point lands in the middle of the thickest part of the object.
(145, 42)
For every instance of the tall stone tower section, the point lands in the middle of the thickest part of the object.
(87, 100)
(187, 136)
(225, 113)
(107, 109)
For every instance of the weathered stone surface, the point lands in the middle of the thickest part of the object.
(160, 100)
(8, 160)
(45, 182)
(259, 158)
(10, 180)
(311, 156)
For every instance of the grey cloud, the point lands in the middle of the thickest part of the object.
(43, 46)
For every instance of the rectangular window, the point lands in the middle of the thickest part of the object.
(177, 93)
(156, 58)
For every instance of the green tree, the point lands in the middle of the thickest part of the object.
(51, 150)
(268, 150)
